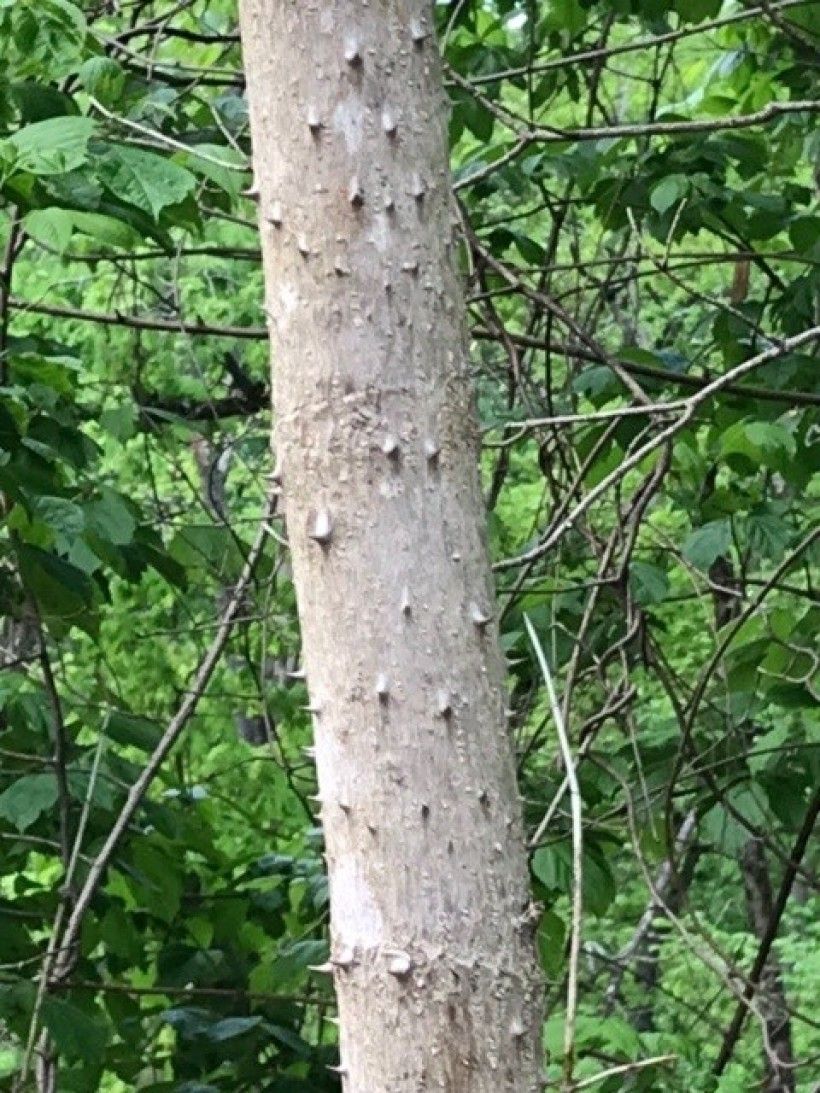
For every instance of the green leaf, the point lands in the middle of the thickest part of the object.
(231, 1027)
(105, 229)
(49, 36)
(649, 582)
(111, 517)
(230, 181)
(63, 518)
(9, 433)
(550, 941)
(51, 227)
(38, 101)
(762, 443)
(76, 1034)
(707, 543)
(61, 590)
(566, 15)
(52, 147)
(149, 181)
(695, 11)
(668, 192)
(103, 78)
(27, 799)
(136, 732)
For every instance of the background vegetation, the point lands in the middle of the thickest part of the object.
(637, 187)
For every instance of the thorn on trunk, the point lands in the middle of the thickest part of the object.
(444, 704)
(353, 53)
(399, 965)
(383, 688)
(355, 194)
(321, 969)
(481, 619)
(322, 531)
(391, 447)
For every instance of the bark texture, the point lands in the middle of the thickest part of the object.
(779, 1075)
(376, 442)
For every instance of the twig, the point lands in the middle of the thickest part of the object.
(161, 138)
(178, 723)
(795, 857)
(171, 326)
(631, 461)
(624, 1068)
(577, 857)
(639, 45)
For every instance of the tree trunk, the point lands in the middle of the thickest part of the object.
(376, 439)
(778, 1057)
(642, 953)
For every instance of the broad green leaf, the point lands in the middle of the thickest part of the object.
(64, 519)
(38, 101)
(25, 800)
(650, 582)
(707, 543)
(110, 517)
(136, 732)
(668, 192)
(61, 590)
(550, 940)
(51, 227)
(105, 229)
(201, 161)
(75, 1033)
(762, 443)
(49, 36)
(52, 147)
(231, 1027)
(149, 181)
(103, 78)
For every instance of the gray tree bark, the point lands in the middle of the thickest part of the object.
(376, 440)
(779, 1075)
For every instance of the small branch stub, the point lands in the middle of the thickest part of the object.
(314, 121)
(432, 452)
(302, 246)
(383, 688)
(321, 969)
(275, 216)
(391, 447)
(406, 603)
(517, 1029)
(419, 33)
(389, 123)
(444, 704)
(353, 53)
(322, 530)
(480, 618)
(399, 965)
(345, 959)
(355, 193)
(418, 188)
